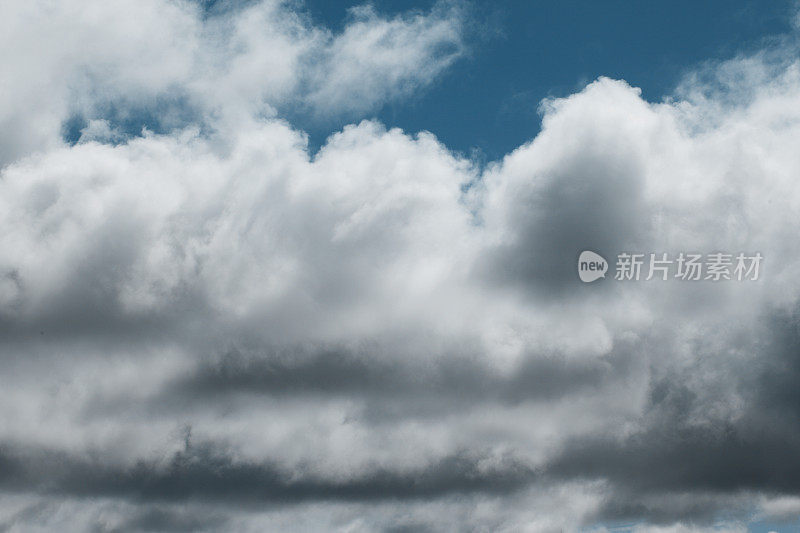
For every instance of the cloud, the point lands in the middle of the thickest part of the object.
(158, 519)
(163, 65)
(203, 472)
(375, 60)
(196, 314)
(573, 188)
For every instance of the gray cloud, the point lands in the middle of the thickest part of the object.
(203, 471)
(673, 453)
(161, 519)
(466, 379)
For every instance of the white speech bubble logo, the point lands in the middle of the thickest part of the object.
(591, 266)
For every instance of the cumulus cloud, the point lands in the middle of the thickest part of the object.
(205, 325)
(163, 65)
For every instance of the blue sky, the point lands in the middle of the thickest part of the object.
(522, 52)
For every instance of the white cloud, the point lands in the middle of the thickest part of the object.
(82, 59)
(375, 60)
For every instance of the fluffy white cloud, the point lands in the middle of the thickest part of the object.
(174, 62)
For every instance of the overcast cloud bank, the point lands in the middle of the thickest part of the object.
(203, 325)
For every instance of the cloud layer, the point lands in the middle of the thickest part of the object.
(203, 325)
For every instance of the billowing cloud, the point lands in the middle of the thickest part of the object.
(80, 69)
(205, 325)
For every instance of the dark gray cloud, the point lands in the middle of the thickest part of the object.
(592, 203)
(340, 372)
(204, 471)
(674, 453)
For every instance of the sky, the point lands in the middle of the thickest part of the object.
(524, 51)
(316, 266)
